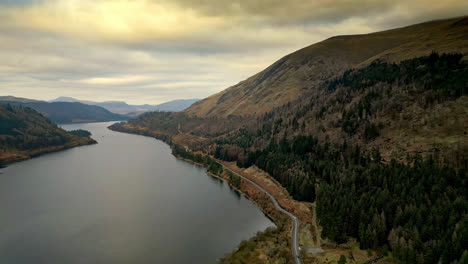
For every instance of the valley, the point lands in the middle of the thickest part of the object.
(328, 132)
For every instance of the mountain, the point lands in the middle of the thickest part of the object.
(113, 106)
(371, 128)
(174, 106)
(68, 99)
(118, 107)
(134, 110)
(25, 133)
(68, 112)
(404, 117)
(307, 69)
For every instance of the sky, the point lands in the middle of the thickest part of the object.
(153, 51)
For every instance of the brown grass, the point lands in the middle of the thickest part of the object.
(306, 69)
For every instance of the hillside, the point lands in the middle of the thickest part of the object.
(67, 112)
(25, 133)
(378, 137)
(307, 69)
(133, 110)
(416, 107)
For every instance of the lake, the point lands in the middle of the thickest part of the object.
(126, 199)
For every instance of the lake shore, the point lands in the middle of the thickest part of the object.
(12, 157)
(258, 247)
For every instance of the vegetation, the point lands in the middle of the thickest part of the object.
(428, 112)
(213, 166)
(445, 75)
(23, 129)
(25, 132)
(342, 260)
(234, 180)
(418, 212)
(80, 133)
(270, 246)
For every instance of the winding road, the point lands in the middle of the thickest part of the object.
(295, 231)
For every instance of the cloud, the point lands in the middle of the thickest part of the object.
(151, 51)
(123, 21)
(120, 80)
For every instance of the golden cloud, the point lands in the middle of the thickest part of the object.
(127, 21)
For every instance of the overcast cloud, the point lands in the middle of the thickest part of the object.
(156, 51)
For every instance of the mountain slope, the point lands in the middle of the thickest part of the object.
(307, 69)
(25, 133)
(67, 112)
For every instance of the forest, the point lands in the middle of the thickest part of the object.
(418, 211)
(80, 133)
(24, 130)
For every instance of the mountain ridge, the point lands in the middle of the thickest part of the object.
(121, 107)
(307, 68)
(66, 112)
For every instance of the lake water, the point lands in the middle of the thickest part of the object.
(124, 200)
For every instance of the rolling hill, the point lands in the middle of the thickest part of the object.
(112, 106)
(25, 133)
(67, 112)
(307, 69)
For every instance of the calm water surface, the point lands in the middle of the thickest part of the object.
(124, 200)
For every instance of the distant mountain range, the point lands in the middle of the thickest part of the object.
(133, 110)
(71, 110)
(65, 112)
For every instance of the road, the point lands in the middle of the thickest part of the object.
(295, 231)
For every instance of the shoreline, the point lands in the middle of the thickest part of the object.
(283, 224)
(232, 187)
(7, 158)
(88, 121)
